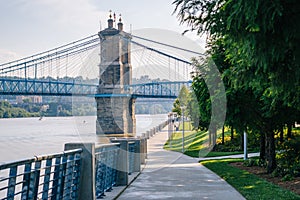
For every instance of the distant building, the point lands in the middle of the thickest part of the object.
(36, 99)
(32, 99)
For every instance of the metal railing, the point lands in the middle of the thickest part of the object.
(131, 156)
(9, 86)
(52, 177)
(84, 171)
(106, 167)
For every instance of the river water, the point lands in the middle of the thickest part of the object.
(26, 137)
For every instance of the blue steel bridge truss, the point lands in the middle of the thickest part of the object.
(157, 89)
(25, 85)
(10, 86)
(47, 88)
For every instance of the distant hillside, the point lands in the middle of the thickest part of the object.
(9, 111)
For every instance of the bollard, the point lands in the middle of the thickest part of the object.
(147, 134)
(122, 163)
(87, 183)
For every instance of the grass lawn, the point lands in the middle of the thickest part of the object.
(249, 185)
(195, 144)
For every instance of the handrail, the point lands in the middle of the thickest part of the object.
(38, 158)
(41, 177)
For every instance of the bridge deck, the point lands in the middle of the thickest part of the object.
(11, 86)
(171, 175)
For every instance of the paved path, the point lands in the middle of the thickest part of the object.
(231, 156)
(172, 175)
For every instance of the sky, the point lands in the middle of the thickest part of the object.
(33, 26)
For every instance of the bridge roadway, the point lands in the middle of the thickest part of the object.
(174, 176)
(11, 86)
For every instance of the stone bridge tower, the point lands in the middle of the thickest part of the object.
(115, 108)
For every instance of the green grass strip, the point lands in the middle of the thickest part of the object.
(250, 186)
(195, 144)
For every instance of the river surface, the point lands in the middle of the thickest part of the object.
(26, 137)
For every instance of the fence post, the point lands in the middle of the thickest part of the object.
(87, 173)
(137, 156)
(146, 148)
(143, 155)
(147, 134)
(122, 163)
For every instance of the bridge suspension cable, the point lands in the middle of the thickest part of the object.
(159, 65)
(162, 53)
(61, 52)
(48, 51)
(168, 45)
(63, 65)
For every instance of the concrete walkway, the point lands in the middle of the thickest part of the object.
(172, 175)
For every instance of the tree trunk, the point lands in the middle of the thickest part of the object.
(223, 136)
(289, 131)
(262, 155)
(242, 140)
(241, 136)
(270, 151)
(214, 137)
(281, 134)
(231, 136)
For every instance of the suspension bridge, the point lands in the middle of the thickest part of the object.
(114, 68)
(55, 72)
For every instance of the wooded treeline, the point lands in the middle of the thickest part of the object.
(255, 46)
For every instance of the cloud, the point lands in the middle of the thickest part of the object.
(79, 13)
(33, 26)
(7, 56)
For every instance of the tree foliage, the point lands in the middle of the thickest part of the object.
(8, 111)
(258, 41)
(182, 101)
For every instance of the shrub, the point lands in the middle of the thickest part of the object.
(287, 177)
(254, 162)
(288, 159)
(250, 162)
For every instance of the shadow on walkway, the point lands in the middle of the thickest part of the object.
(172, 175)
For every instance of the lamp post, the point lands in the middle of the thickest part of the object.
(182, 111)
(245, 146)
(170, 124)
